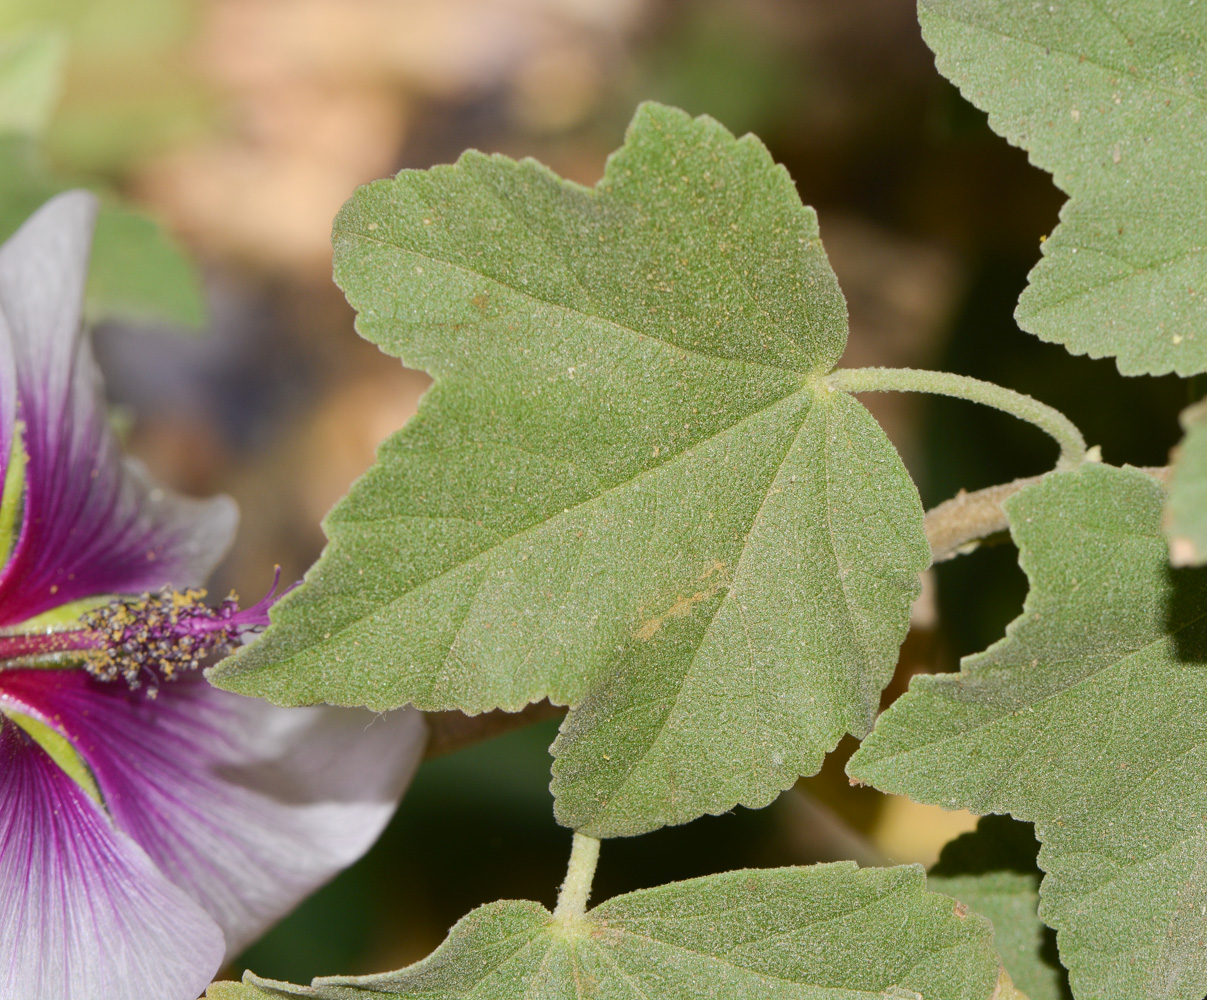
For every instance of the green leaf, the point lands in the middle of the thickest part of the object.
(237, 991)
(1109, 96)
(1186, 511)
(31, 75)
(629, 490)
(1089, 719)
(993, 872)
(137, 272)
(829, 931)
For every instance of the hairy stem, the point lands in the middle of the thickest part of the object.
(1049, 420)
(572, 899)
(956, 525)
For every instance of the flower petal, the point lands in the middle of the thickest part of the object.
(246, 806)
(84, 913)
(93, 523)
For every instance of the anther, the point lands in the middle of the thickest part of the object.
(157, 637)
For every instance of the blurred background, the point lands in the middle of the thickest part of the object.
(240, 127)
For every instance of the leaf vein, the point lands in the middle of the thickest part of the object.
(562, 307)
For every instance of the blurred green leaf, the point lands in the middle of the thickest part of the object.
(110, 133)
(1088, 719)
(137, 272)
(31, 77)
(789, 933)
(993, 872)
(129, 88)
(629, 490)
(1186, 511)
(113, 29)
(1109, 96)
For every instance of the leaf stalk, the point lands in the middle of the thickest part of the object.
(1049, 420)
(576, 889)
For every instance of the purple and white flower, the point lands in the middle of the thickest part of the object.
(149, 824)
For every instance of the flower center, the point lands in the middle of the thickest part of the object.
(155, 637)
(145, 640)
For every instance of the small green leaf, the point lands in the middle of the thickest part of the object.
(993, 871)
(237, 991)
(629, 490)
(31, 76)
(136, 271)
(817, 933)
(139, 273)
(1186, 511)
(1089, 719)
(1110, 96)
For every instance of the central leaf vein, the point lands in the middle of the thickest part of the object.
(672, 461)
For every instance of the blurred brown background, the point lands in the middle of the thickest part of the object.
(244, 124)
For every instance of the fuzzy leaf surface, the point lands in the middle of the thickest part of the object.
(1089, 719)
(1111, 97)
(992, 871)
(1186, 510)
(629, 490)
(829, 932)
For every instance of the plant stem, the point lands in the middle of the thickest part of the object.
(957, 525)
(1049, 420)
(572, 899)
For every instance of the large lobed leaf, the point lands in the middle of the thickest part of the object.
(1090, 719)
(629, 490)
(830, 932)
(1110, 96)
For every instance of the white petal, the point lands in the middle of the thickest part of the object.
(43, 270)
(246, 806)
(318, 788)
(84, 913)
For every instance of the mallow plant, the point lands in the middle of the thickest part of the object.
(642, 488)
